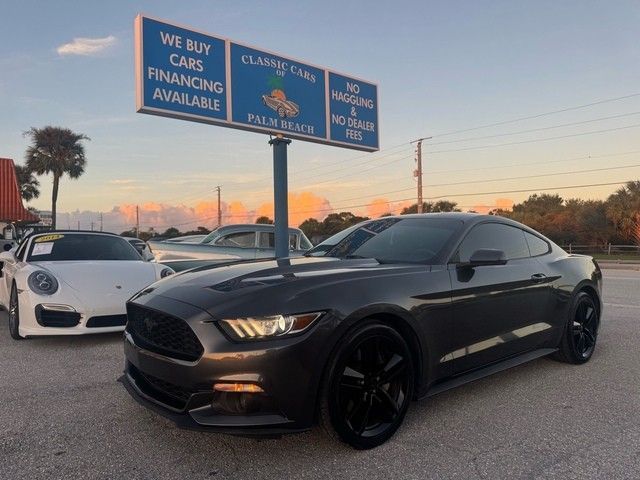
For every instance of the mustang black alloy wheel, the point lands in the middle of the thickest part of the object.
(368, 387)
(14, 314)
(579, 339)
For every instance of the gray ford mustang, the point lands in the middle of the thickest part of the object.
(391, 310)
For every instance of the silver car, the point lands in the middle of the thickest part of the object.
(227, 243)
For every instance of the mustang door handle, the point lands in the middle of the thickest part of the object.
(538, 277)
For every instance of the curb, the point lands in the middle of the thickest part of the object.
(619, 266)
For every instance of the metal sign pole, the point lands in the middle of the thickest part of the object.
(280, 195)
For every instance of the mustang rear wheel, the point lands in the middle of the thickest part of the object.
(581, 332)
(14, 314)
(368, 387)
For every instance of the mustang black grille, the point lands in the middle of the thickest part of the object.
(163, 334)
(161, 390)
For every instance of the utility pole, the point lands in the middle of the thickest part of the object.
(418, 171)
(219, 207)
(92, 225)
(137, 222)
(100, 221)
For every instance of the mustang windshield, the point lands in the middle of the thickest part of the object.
(78, 246)
(391, 240)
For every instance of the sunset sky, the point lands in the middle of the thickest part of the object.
(441, 67)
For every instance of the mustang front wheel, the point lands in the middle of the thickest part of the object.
(368, 387)
(14, 314)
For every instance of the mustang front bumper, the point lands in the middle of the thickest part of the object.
(287, 370)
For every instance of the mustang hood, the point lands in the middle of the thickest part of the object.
(251, 285)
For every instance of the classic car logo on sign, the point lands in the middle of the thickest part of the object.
(277, 99)
(284, 108)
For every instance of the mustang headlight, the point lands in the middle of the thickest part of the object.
(261, 328)
(42, 283)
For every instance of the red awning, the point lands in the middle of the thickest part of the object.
(11, 208)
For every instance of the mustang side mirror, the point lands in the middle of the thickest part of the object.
(484, 257)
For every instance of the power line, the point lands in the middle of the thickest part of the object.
(531, 117)
(505, 122)
(536, 140)
(583, 157)
(372, 167)
(468, 139)
(368, 156)
(500, 179)
(565, 187)
(346, 167)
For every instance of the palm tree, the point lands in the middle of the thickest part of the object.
(623, 209)
(57, 151)
(27, 183)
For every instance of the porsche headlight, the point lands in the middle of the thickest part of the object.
(42, 283)
(165, 272)
(261, 328)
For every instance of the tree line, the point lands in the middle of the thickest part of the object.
(565, 221)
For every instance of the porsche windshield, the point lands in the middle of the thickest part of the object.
(78, 246)
(391, 240)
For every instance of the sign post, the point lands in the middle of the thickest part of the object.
(192, 75)
(280, 195)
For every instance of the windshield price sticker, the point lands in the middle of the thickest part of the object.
(42, 248)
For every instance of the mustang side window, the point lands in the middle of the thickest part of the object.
(537, 246)
(495, 236)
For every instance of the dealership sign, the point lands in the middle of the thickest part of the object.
(191, 75)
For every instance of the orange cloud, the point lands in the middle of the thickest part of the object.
(501, 203)
(378, 207)
(302, 205)
(160, 216)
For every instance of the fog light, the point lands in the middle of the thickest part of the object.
(238, 387)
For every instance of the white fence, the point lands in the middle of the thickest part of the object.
(608, 249)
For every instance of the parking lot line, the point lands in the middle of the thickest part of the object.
(621, 305)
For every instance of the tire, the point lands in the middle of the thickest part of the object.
(581, 331)
(367, 387)
(14, 314)
(281, 112)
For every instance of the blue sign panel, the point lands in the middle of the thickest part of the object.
(273, 92)
(182, 71)
(192, 75)
(353, 106)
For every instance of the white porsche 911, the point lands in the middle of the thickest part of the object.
(70, 283)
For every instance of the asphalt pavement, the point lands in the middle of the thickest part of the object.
(64, 415)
